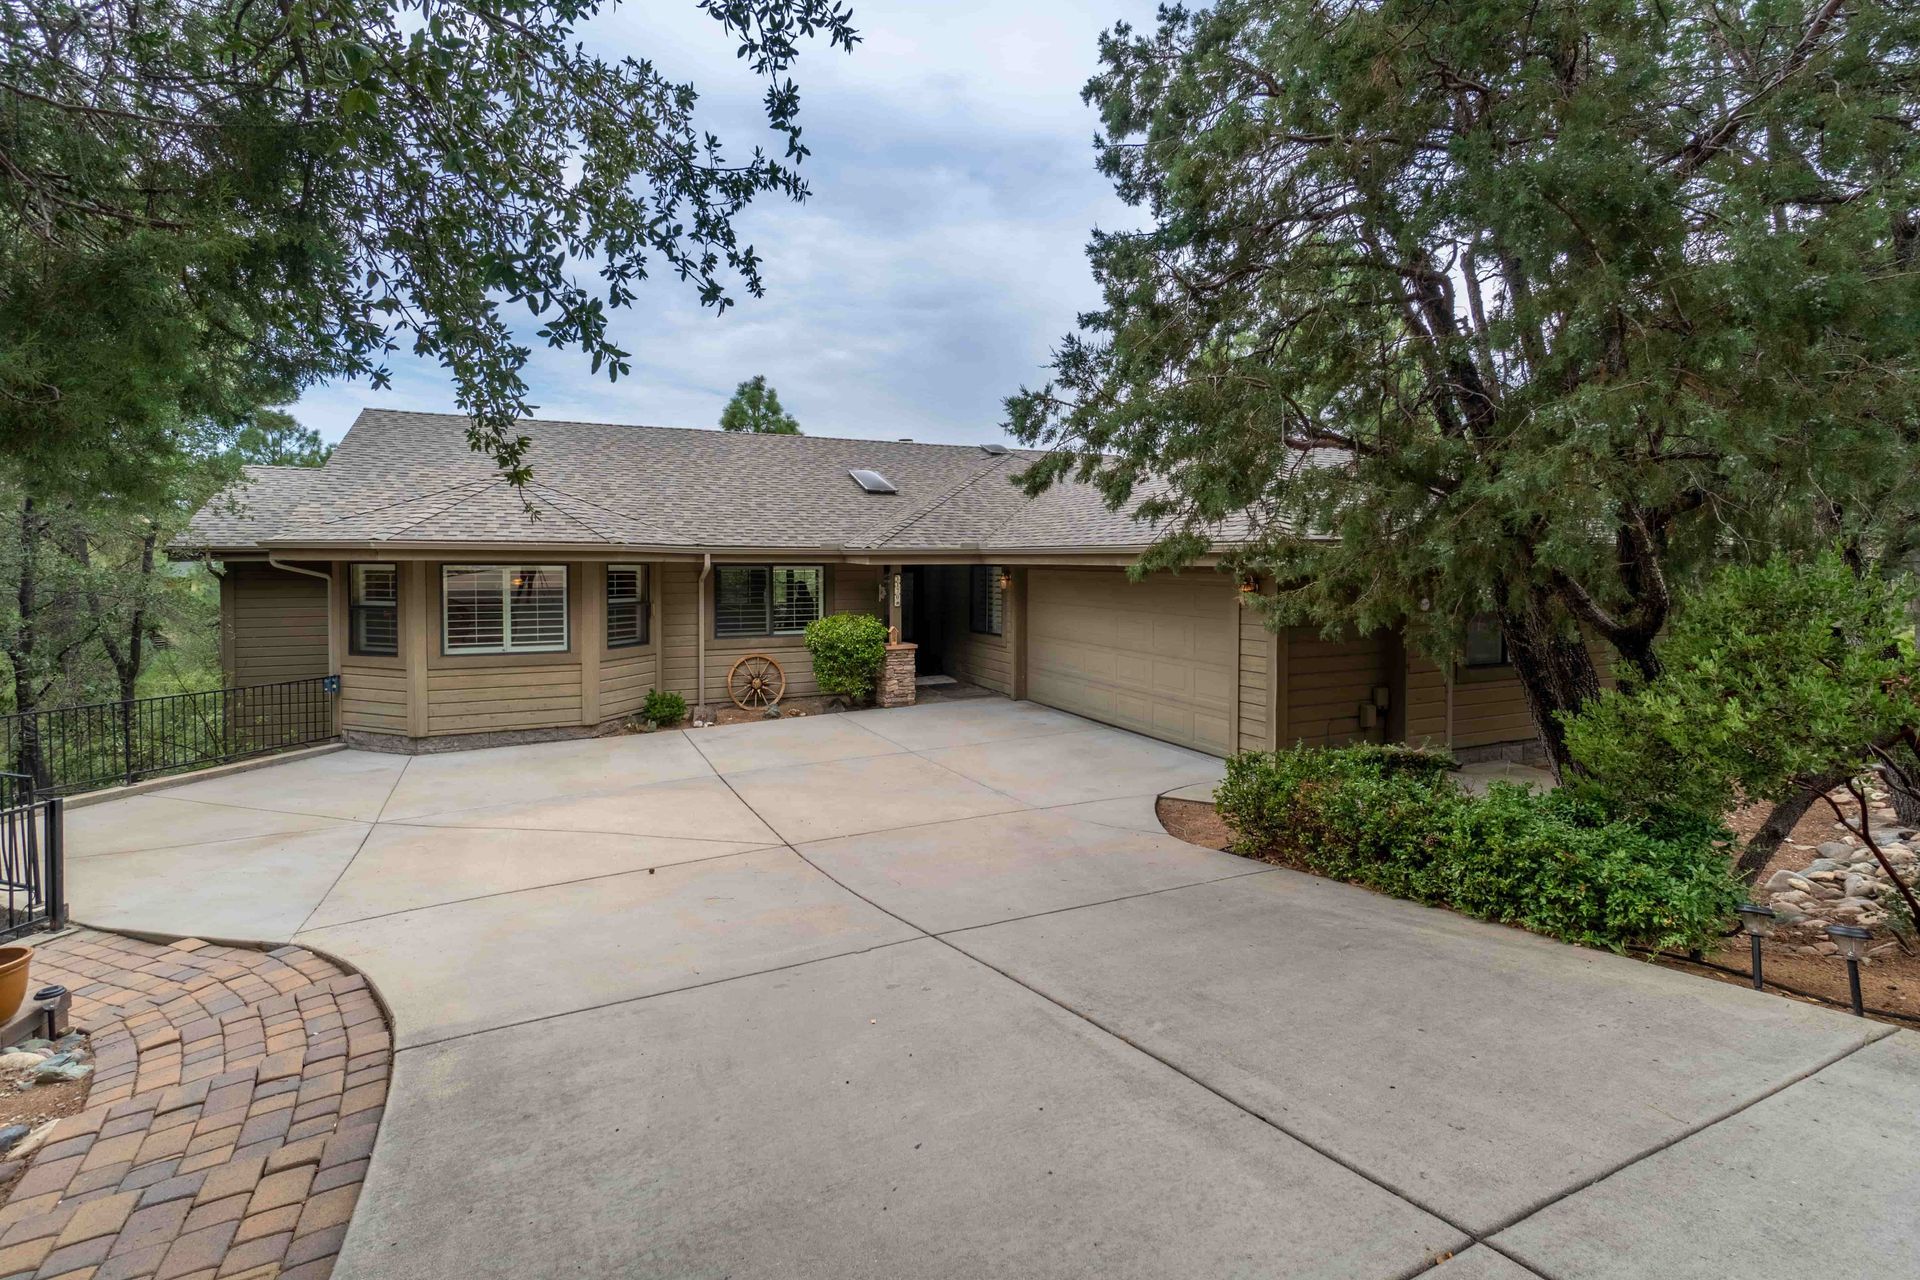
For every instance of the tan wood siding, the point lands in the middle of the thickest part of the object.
(277, 624)
(625, 679)
(850, 588)
(1327, 681)
(1489, 706)
(985, 660)
(1256, 680)
(1426, 702)
(509, 696)
(1159, 657)
(373, 698)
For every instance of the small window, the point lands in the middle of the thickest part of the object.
(986, 600)
(1486, 646)
(761, 600)
(373, 610)
(492, 608)
(629, 605)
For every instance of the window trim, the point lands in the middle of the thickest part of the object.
(356, 608)
(507, 647)
(1506, 658)
(992, 573)
(643, 606)
(766, 610)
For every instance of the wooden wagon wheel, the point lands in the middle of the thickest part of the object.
(755, 681)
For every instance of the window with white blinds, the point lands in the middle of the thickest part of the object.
(987, 602)
(373, 610)
(491, 608)
(762, 600)
(629, 605)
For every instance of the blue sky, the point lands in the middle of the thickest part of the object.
(937, 263)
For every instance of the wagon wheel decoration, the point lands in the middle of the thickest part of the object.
(755, 681)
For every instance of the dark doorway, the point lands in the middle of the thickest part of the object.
(922, 615)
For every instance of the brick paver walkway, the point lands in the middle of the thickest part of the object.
(235, 1102)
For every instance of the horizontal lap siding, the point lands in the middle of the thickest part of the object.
(1256, 685)
(850, 588)
(1490, 706)
(278, 624)
(1426, 702)
(481, 699)
(624, 680)
(984, 660)
(373, 698)
(1327, 680)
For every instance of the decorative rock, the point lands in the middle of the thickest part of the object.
(1862, 887)
(1820, 865)
(61, 1067)
(1834, 849)
(11, 1135)
(18, 1060)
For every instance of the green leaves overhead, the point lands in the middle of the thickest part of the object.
(247, 199)
(1544, 308)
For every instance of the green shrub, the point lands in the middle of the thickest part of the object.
(1550, 862)
(848, 650)
(664, 708)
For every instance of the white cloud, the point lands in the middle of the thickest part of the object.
(938, 261)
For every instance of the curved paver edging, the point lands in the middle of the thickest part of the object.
(237, 1094)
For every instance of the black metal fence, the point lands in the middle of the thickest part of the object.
(32, 859)
(70, 749)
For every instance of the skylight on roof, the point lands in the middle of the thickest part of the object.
(872, 481)
(995, 449)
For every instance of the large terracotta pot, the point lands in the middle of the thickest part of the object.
(14, 962)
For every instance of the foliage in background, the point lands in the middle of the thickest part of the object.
(756, 407)
(848, 650)
(1547, 308)
(1552, 863)
(272, 438)
(664, 708)
(207, 205)
(1779, 681)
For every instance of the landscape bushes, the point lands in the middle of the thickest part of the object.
(1393, 820)
(847, 649)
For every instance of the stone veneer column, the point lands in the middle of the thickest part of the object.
(896, 675)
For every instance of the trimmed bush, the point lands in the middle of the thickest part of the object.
(1550, 862)
(848, 650)
(664, 708)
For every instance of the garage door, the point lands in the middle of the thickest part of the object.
(1157, 657)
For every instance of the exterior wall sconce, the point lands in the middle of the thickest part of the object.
(1758, 921)
(1006, 580)
(1852, 941)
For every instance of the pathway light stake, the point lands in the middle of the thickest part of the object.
(1852, 941)
(1758, 922)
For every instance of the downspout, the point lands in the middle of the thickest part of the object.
(700, 637)
(333, 670)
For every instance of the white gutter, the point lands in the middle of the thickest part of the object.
(294, 568)
(700, 634)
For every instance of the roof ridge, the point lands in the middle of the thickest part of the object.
(403, 502)
(704, 431)
(587, 502)
(564, 514)
(474, 492)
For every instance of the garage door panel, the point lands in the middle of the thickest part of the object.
(1160, 657)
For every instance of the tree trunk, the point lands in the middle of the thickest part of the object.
(28, 755)
(1765, 842)
(1556, 672)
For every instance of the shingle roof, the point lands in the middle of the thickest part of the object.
(258, 504)
(402, 478)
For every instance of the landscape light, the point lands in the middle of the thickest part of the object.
(1758, 922)
(1852, 941)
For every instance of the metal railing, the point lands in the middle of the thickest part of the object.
(32, 859)
(64, 750)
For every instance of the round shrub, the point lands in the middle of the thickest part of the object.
(848, 650)
(664, 707)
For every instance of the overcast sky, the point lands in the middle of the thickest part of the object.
(940, 257)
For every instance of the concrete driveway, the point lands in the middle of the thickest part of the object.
(928, 992)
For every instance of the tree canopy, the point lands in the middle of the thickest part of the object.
(272, 438)
(756, 407)
(206, 205)
(1542, 308)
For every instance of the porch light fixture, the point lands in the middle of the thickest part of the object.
(1758, 922)
(1852, 941)
(1006, 580)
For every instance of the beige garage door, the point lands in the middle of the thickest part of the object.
(1157, 657)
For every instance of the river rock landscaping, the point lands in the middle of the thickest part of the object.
(1844, 883)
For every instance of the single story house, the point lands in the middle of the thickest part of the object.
(658, 557)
